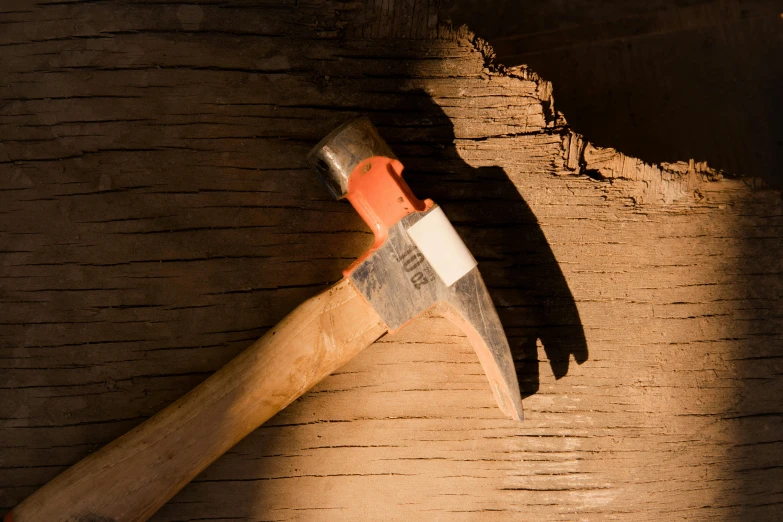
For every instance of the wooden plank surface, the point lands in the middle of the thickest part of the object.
(158, 217)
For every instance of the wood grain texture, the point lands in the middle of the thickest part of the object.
(158, 216)
(133, 476)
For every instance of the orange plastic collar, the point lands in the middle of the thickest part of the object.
(381, 197)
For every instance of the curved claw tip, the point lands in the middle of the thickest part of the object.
(470, 307)
(509, 403)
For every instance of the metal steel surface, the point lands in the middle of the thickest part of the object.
(398, 281)
(335, 156)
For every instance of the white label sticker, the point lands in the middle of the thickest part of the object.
(436, 238)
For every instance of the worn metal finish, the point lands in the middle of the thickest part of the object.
(398, 281)
(338, 154)
(470, 307)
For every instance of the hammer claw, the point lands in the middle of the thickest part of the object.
(470, 308)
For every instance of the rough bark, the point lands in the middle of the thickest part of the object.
(158, 217)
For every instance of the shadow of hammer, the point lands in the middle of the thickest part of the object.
(416, 262)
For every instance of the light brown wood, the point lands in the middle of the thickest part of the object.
(130, 479)
(158, 216)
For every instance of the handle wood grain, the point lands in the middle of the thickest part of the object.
(132, 477)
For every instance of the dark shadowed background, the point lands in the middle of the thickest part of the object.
(662, 80)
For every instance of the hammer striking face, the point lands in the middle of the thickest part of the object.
(417, 260)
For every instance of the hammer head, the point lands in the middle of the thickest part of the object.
(417, 260)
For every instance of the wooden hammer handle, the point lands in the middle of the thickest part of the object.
(132, 477)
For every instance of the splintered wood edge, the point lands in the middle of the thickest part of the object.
(680, 182)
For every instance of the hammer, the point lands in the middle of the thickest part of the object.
(416, 262)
